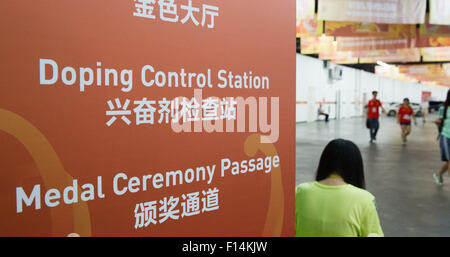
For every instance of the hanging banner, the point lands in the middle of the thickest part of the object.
(328, 51)
(363, 29)
(372, 43)
(147, 118)
(309, 27)
(436, 54)
(440, 12)
(432, 30)
(388, 59)
(306, 9)
(317, 44)
(377, 11)
(421, 69)
(435, 84)
(309, 45)
(392, 72)
(335, 55)
(432, 41)
(425, 72)
(446, 68)
(386, 71)
(445, 84)
(307, 24)
(345, 60)
(385, 52)
(395, 55)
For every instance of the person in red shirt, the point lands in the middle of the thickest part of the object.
(404, 115)
(373, 114)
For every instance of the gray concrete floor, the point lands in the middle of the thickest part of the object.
(409, 202)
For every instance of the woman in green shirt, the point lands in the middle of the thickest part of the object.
(336, 204)
(444, 141)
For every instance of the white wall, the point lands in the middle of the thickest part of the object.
(313, 88)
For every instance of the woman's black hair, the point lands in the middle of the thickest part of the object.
(446, 105)
(342, 157)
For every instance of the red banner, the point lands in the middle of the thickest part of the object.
(394, 55)
(316, 44)
(430, 30)
(377, 11)
(436, 54)
(309, 27)
(363, 29)
(345, 60)
(432, 41)
(425, 72)
(307, 24)
(372, 43)
(336, 55)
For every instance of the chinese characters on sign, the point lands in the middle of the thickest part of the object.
(191, 110)
(168, 12)
(191, 204)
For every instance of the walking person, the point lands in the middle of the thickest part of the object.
(336, 204)
(373, 115)
(404, 115)
(424, 110)
(444, 141)
(320, 112)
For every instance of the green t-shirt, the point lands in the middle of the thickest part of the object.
(336, 211)
(446, 128)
